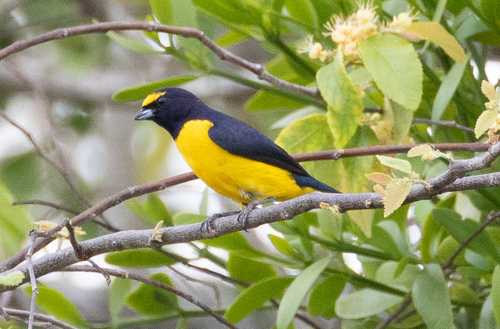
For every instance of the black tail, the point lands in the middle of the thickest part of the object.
(313, 183)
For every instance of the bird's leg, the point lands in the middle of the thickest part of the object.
(206, 226)
(243, 216)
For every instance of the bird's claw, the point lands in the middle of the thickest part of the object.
(207, 225)
(245, 213)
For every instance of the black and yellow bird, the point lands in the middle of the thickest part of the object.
(230, 156)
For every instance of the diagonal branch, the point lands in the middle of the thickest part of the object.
(158, 284)
(63, 173)
(186, 32)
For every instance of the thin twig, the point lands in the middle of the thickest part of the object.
(12, 314)
(61, 207)
(47, 204)
(31, 271)
(223, 54)
(127, 275)
(80, 253)
(406, 303)
(202, 282)
(449, 263)
(64, 174)
(76, 246)
(451, 124)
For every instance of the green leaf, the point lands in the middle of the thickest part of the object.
(281, 244)
(140, 92)
(234, 241)
(184, 15)
(118, 292)
(304, 11)
(152, 211)
(263, 101)
(248, 270)
(297, 290)
(345, 107)
(56, 304)
(324, 296)
(490, 10)
(183, 218)
(435, 32)
(447, 90)
(364, 220)
(151, 300)
(12, 279)
(461, 230)
(487, 318)
(230, 38)
(395, 68)
(21, 175)
(495, 293)
(469, 25)
(163, 11)
(396, 234)
(431, 298)
(137, 258)
(394, 163)
(228, 11)
(132, 44)
(401, 119)
(390, 273)
(14, 223)
(255, 296)
(364, 303)
(485, 121)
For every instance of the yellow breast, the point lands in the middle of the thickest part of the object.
(239, 178)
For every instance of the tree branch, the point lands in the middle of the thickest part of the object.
(186, 32)
(135, 191)
(12, 312)
(286, 210)
(158, 284)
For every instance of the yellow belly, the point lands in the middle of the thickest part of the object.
(236, 177)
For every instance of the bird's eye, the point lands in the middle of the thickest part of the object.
(161, 100)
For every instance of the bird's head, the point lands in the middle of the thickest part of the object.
(170, 108)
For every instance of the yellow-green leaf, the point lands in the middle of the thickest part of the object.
(398, 164)
(484, 122)
(163, 11)
(12, 279)
(488, 90)
(58, 305)
(281, 244)
(395, 68)
(395, 195)
(419, 150)
(364, 220)
(495, 293)
(433, 31)
(345, 107)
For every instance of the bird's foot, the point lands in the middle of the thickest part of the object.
(207, 225)
(243, 216)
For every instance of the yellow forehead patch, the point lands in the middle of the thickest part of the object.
(151, 98)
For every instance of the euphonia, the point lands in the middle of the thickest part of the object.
(230, 156)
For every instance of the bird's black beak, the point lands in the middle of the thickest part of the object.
(144, 114)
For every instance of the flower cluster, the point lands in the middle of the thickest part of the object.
(348, 31)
